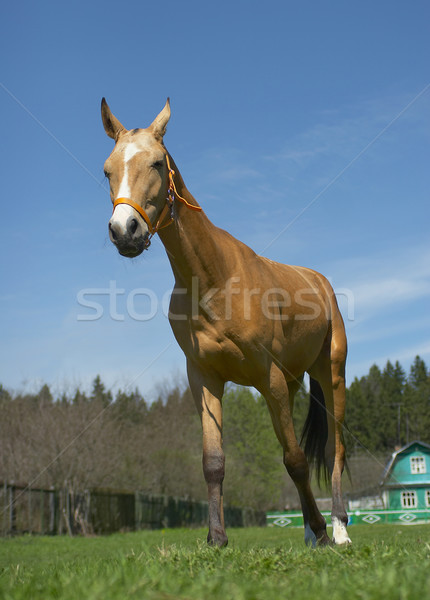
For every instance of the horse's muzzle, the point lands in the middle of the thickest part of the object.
(130, 240)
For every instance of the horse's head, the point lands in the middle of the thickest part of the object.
(138, 178)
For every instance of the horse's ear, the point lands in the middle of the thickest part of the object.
(159, 124)
(111, 124)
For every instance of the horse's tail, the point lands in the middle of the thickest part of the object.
(315, 432)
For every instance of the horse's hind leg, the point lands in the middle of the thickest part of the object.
(335, 417)
(330, 373)
(276, 393)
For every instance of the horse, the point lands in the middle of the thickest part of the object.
(238, 317)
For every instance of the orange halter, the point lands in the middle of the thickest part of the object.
(172, 193)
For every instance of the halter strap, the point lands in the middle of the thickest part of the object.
(172, 188)
(172, 193)
(136, 207)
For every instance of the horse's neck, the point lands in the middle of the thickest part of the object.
(193, 243)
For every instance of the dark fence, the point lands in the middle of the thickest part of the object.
(51, 512)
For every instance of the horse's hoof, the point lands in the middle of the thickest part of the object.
(324, 540)
(340, 535)
(345, 542)
(310, 537)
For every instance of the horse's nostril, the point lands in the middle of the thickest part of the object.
(112, 232)
(132, 226)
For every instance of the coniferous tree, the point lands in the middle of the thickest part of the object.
(417, 402)
(390, 404)
(45, 396)
(99, 393)
(358, 421)
(363, 410)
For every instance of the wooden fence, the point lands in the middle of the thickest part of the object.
(54, 512)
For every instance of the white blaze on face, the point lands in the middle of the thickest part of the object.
(340, 534)
(124, 188)
(123, 212)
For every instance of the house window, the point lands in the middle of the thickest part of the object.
(409, 500)
(418, 465)
(428, 498)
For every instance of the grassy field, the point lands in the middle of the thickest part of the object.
(385, 562)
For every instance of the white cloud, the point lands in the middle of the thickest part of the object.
(395, 329)
(404, 356)
(379, 294)
(379, 283)
(391, 321)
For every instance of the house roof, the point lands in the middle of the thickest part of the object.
(395, 454)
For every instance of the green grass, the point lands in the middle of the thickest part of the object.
(385, 562)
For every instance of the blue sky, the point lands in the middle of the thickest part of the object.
(302, 128)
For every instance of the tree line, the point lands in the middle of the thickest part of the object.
(106, 440)
(389, 408)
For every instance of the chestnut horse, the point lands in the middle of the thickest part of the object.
(238, 317)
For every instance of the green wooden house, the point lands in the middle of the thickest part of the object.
(405, 491)
(406, 480)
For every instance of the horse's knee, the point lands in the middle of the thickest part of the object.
(214, 466)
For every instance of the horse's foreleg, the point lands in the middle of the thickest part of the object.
(207, 391)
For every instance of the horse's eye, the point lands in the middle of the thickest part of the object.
(107, 174)
(158, 164)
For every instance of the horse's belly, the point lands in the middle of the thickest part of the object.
(244, 355)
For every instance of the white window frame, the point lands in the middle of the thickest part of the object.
(418, 465)
(409, 499)
(428, 498)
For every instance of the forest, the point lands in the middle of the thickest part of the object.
(119, 441)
